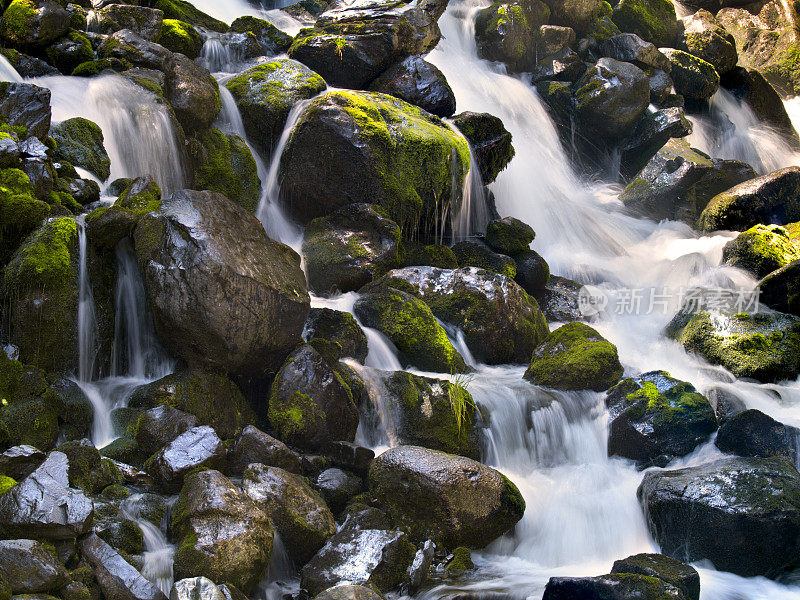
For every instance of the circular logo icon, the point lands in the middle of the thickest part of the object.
(592, 300)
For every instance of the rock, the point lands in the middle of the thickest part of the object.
(125, 45)
(272, 40)
(418, 82)
(299, 514)
(350, 45)
(610, 587)
(578, 14)
(654, 21)
(338, 328)
(652, 132)
(378, 140)
(28, 66)
(507, 31)
(490, 142)
(33, 24)
(87, 470)
(451, 500)
(669, 570)
(374, 557)
(411, 326)
(433, 413)
(693, 77)
(661, 87)
(115, 576)
(43, 506)
(752, 433)
(107, 226)
(433, 255)
(266, 93)
(20, 211)
(474, 253)
(611, 97)
(255, 446)
(31, 567)
(145, 22)
(780, 290)
(159, 426)
(26, 105)
(761, 250)
(198, 446)
(742, 514)
(705, 37)
(500, 322)
(185, 11)
(509, 235)
(629, 47)
(70, 51)
(20, 461)
(80, 142)
(656, 418)
(350, 248)
(43, 274)
(224, 535)
(337, 487)
(564, 65)
(348, 592)
(726, 403)
(195, 588)
(192, 92)
(310, 404)
(266, 302)
(575, 357)
(533, 272)
(179, 36)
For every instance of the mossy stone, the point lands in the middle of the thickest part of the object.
(432, 255)
(654, 21)
(180, 10)
(509, 235)
(79, 141)
(179, 36)
(761, 250)
(20, 211)
(460, 562)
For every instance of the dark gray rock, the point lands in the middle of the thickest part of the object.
(115, 576)
(20, 461)
(673, 572)
(752, 433)
(26, 105)
(198, 446)
(254, 446)
(417, 81)
(31, 567)
(337, 487)
(159, 426)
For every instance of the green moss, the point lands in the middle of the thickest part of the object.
(180, 10)
(95, 67)
(18, 21)
(20, 211)
(6, 483)
(761, 250)
(433, 255)
(652, 20)
(70, 52)
(180, 36)
(461, 561)
(79, 141)
(31, 422)
(473, 253)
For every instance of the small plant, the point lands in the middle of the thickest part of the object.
(460, 398)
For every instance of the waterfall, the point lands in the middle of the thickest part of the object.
(158, 552)
(281, 579)
(472, 215)
(219, 57)
(87, 319)
(7, 72)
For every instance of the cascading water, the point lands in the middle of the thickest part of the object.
(472, 215)
(158, 552)
(8, 72)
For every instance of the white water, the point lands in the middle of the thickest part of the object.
(158, 552)
(7, 72)
(472, 215)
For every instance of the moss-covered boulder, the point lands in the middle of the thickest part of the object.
(656, 418)
(87, 469)
(273, 40)
(500, 322)
(418, 82)
(31, 567)
(387, 151)
(705, 37)
(583, 16)
(507, 32)
(265, 94)
(179, 36)
(432, 413)
(223, 163)
(191, 92)
(615, 586)
(674, 572)
(761, 250)
(20, 211)
(107, 225)
(430, 255)
(490, 142)
(654, 21)
(475, 253)
(409, 323)
(772, 198)
(338, 328)
(452, 500)
(693, 77)
(509, 235)
(80, 143)
(33, 23)
(68, 52)
(348, 249)
(310, 404)
(575, 357)
(143, 21)
(780, 290)
(182, 10)
(299, 514)
(41, 287)
(742, 514)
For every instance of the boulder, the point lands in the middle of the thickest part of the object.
(26, 105)
(669, 570)
(87, 469)
(475, 253)
(266, 93)
(337, 328)
(654, 21)
(20, 211)
(752, 433)
(451, 500)
(273, 40)
(509, 235)
(575, 357)
(742, 514)
(500, 322)
(652, 132)
(348, 592)
(348, 249)
(196, 588)
(310, 404)
(143, 21)
(106, 226)
(693, 77)
(655, 418)
(507, 32)
(771, 198)
(299, 514)
(371, 557)
(726, 403)
(411, 326)
(780, 290)
(265, 300)
(629, 47)
(27, 23)
(224, 535)
(337, 487)
(159, 426)
(31, 567)
(616, 586)
(418, 82)
(761, 250)
(490, 142)
(564, 65)
(533, 273)
(705, 37)
(196, 447)
(20, 461)
(70, 51)
(254, 446)
(192, 93)
(126, 46)
(179, 36)
(185, 11)
(115, 576)
(389, 153)
(80, 142)
(580, 15)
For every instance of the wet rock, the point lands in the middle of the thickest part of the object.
(564, 65)
(178, 36)
(192, 92)
(654, 21)
(159, 426)
(122, 534)
(705, 37)
(533, 272)
(660, 86)
(609, 587)
(575, 357)
(581, 15)
(418, 82)
(742, 514)
(374, 557)
(350, 248)
(28, 66)
(127, 46)
(26, 105)
(20, 461)
(693, 77)
(115, 576)
(350, 456)
(507, 32)
(411, 326)
(559, 300)
(552, 38)
(265, 300)
(656, 418)
(726, 403)
(31, 567)
(185, 11)
(310, 404)
(107, 226)
(143, 21)
(273, 40)
(80, 142)
(500, 322)
(475, 253)
(265, 94)
(224, 535)
(299, 514)
(377, 139)
(490, 142)
(339, 328)
(509, 235)
(611, 97)
(348, 592)
(87, 470)
(255, 446)
(337, 487)
(780, 289)
(449, 499)
(198, 446)
(669, 570)
(752, 433)
(352, 44)
(629, 47)
(195, 588)
(70, 51)
(33, 24)
(654, 130)
(761, 250)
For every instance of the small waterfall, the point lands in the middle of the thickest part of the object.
(87, 319)
(281, 579)
(219, 57)
(472, 215)
(7, 72)
(158, 552)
